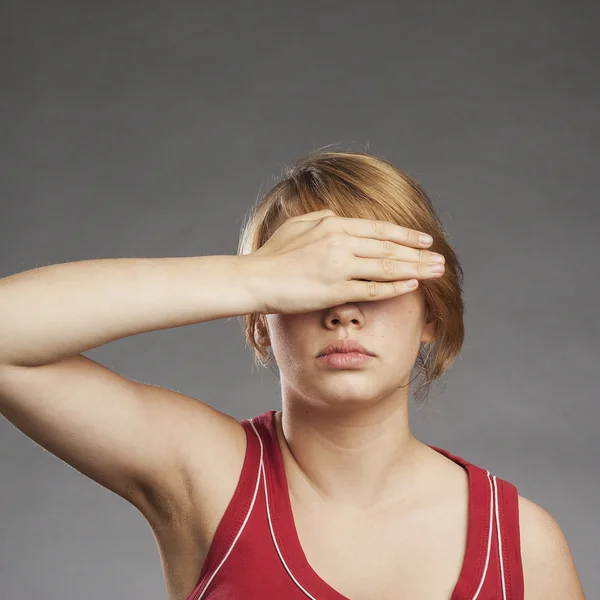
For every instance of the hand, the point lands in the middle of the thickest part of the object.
(317, 260)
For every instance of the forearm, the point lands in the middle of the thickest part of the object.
(52, 312)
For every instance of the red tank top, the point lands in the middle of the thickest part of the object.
(256, 553)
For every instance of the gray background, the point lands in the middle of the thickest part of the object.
(149, 128)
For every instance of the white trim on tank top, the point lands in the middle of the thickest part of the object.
(261, 470)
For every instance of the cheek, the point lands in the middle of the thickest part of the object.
(403, 314)
(291, 331)
(399, 333)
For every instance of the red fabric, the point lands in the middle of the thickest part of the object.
(256, 553)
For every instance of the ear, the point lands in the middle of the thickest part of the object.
(430, 327)
(262, 331)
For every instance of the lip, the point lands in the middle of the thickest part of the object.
(344, 346)
(345, 360)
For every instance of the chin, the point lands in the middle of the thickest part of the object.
(348, 390)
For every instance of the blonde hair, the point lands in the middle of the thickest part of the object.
(361, 185)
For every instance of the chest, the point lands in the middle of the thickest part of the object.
(413, 554)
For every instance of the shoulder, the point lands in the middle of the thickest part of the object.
(548, 568)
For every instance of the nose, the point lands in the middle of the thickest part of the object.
(344, 314)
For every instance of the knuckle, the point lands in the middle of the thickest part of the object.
(373, 289)
(388, 266)
(388, 247)
(322, 224)
(334, 239)
(329, 220)
(380, 227)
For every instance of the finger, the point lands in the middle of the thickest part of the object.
(388, 269)
(365, 291)
(363, 247)
(383, 230)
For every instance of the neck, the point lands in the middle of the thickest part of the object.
(354, 460)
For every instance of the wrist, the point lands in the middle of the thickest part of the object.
(252, 274)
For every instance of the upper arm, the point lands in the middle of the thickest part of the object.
(136, 440)
(548, 568)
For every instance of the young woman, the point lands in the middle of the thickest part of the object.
(331, 497)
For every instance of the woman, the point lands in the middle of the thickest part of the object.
(331, 498)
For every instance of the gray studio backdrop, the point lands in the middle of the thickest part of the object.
(149, 128)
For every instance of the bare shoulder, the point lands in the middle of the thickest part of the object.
(548, 567)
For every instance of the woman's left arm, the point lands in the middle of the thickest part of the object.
(548, 568)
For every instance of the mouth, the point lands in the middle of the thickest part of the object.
(345, 360)
(344, 347)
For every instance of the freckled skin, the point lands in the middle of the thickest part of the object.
(392, 329)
